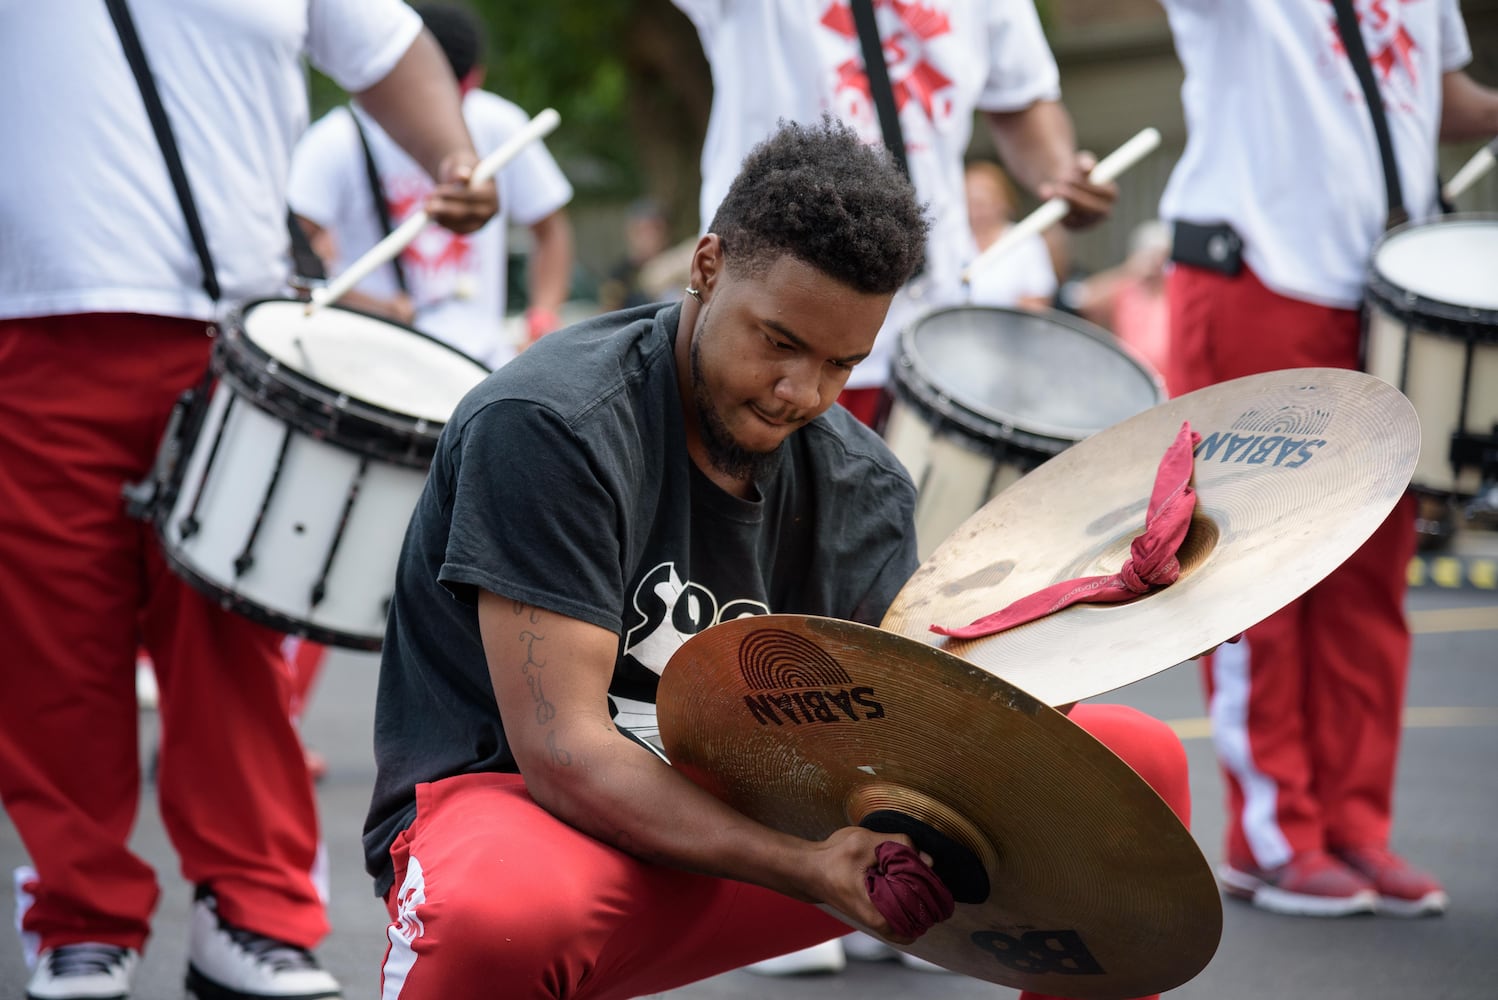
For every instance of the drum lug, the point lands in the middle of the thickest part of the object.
(140, 497)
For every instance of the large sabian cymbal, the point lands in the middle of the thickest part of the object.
(1295, 470)
(1072, 876)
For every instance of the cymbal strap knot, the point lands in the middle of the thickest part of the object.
(1152, 558)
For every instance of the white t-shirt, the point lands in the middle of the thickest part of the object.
(796, 59)
(1023, 273)
(88, 218)
(457, 283)
(1280, 143)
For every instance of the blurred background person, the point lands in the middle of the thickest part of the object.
(1276, 205)
(450, 285)
(646, 236)
(113, 277)
(1129, 297)
(1024, 277)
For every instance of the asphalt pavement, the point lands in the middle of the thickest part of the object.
(1446, 820)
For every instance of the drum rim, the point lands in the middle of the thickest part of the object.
(332, 401)
(1407, 306)
(944, 403)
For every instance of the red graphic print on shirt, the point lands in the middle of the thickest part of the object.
(905, 29)
(438, 257)
(1388, 42)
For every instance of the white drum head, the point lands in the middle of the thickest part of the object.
(1449, 261)
(368, 359)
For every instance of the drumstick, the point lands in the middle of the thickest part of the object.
(1482, 161)
(1053, 211)
(387, 249)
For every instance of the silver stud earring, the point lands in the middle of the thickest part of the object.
(695, 293)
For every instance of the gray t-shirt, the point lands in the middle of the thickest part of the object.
(563, 481)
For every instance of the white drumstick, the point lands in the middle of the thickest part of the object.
(1482, 161)
(387, 249)
(1053, 211)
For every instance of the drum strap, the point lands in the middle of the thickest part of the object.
(1357, 54)
(124, 26)
(377, 194)
(879, 86)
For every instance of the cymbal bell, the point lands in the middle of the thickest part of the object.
(1295, 470)
(1071, 875)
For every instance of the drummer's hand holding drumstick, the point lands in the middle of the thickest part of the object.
(455, 202)
(1090, 201)
(418, 105)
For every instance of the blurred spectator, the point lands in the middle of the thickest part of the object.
(646, 236)
(1024, 277)
(448, 285)
(1129, 298)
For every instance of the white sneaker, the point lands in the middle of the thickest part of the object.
(87, 971)
(229, 963)
(826, 957)
(147, 693)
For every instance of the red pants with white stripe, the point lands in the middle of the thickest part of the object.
(1306, 710)
(83, 405)
(491, 889)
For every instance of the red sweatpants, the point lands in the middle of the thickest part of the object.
(83, 405)
(1306, 710)
(490, 888)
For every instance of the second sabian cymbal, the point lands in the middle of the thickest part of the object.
(1295, 470)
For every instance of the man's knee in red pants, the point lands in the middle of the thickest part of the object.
(1147, 745)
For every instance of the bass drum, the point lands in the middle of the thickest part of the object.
(283, 486)
(1432, 332)
(982, 395)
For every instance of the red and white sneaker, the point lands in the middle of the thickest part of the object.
(1310, 884)
(1403, 890)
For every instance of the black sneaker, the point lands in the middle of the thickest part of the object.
(86, 971)
(229, 963)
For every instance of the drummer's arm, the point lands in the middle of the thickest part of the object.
(549, 272)
(551, 676)
(1469, 110)
(1039, 147)
(417, 103)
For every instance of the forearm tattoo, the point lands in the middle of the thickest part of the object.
(534, 670)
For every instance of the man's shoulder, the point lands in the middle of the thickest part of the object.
(855, 452)
(602, 363)
(484, 107)
(335, 126)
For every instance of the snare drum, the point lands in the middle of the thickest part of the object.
(1432, 331)
(283, 486)
(983, 395)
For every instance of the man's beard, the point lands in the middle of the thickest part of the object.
(724, 453)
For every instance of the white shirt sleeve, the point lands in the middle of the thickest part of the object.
(1456, 47)
(1021, 69)
(532, 186)
(358, 42)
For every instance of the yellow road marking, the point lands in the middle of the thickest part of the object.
(1431, 717)
(1483, 619)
